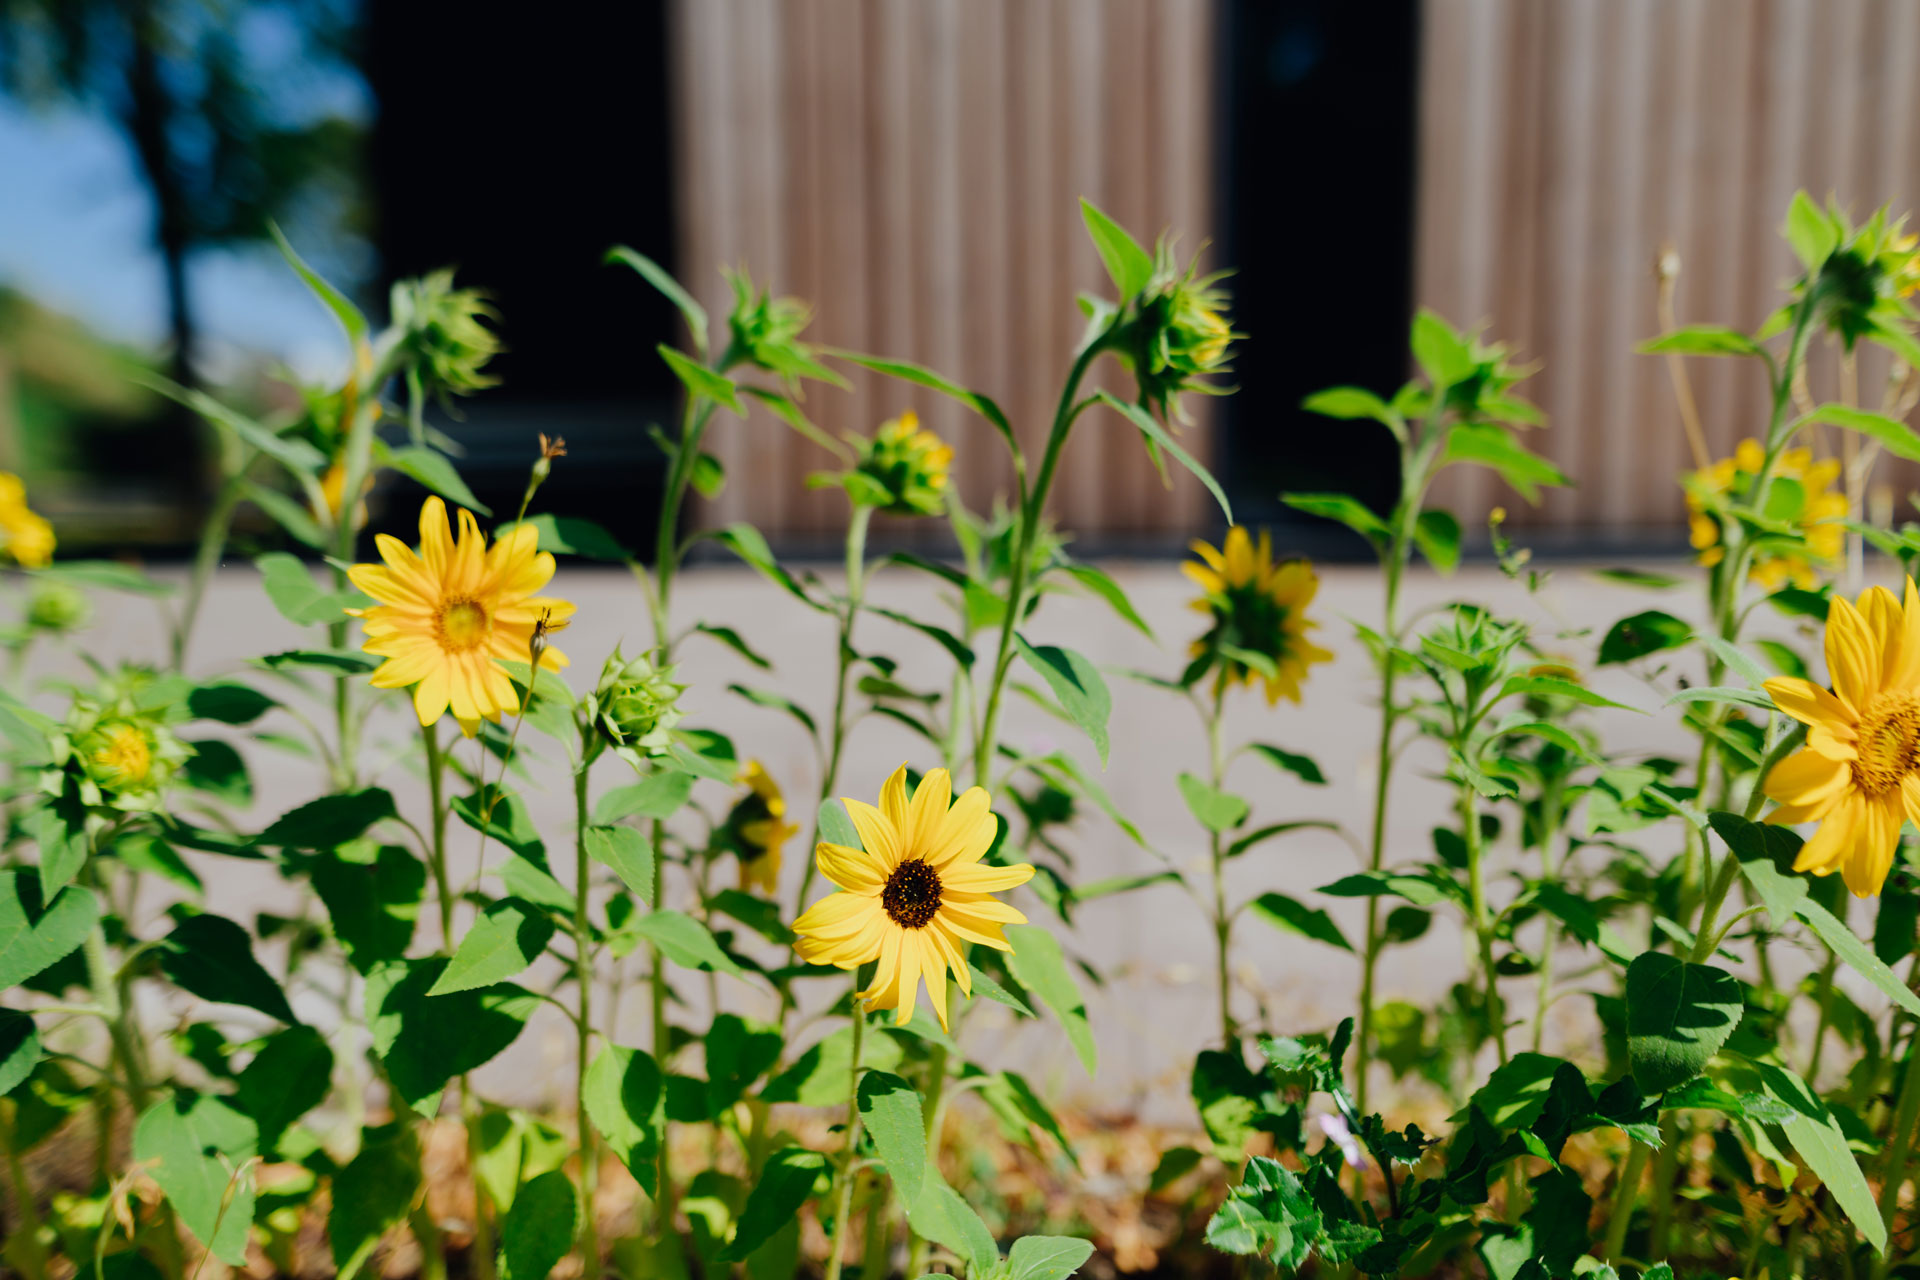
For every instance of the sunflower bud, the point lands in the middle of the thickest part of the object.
(58, 608)
(117, 744)
(766, 333)
(909, 465)
(1855, 276)
(634, 704)
(447, 332)
(1181, 335)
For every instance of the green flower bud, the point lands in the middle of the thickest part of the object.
(634, 705)
(58, 608)
(446, 330)
(766, 333)
(909, 465)
(117, 743)
(1179, 335)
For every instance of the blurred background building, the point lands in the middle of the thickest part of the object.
(912, 167)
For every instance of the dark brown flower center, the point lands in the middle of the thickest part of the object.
(1889, 745)
(912, 894)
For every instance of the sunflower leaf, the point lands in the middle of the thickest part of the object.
(1037, 961)
(1076, 682)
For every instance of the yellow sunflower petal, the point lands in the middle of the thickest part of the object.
(1808, 778)
(1808, 703)
(854, 870)
(1852, 664)
(877, 835)
(978, 878)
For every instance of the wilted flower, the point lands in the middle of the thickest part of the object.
(1259, 614)
(908, 467)
(24, 534)
(766, 333)
(58, 608)
(446, 330)
(635, 704)
(1801, 495)
(757, 830)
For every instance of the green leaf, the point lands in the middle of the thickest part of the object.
(1555, 687)
(424, 1041)
(944, 1218)
(1129, 266)
(962, 653)
(662, 279)
(58, 827)
(1102, 584)
(328, 661)
(212, 957)
(372, 1195)
(1819, 1140)
(1437, 534)
(194, 1145)
(658, 796)
(925, 377)
(1260, 835)
(734, 641)
(108, 575)
(433, 471)
(1516, 1093)
(1348, 403)
(508, 936)
(228, 702)
(1441, 350)
(776, 702)
(700, 381)
(372, 898)
(1292, 916)
(1638, 578)
(685, 941)
(296, 455)
(217, 769)
(1701, 340)
(290, 1076)
(1037, 962)
(572, 536)
(1898, 438)
(19, 1049)
(836, 827)
(1047, 1257)
(1158, 435)
(1725, 693)
(330, 820)
(747, 542)
(1077, 684)
(286, 513)
(1486, 445)
(1175, 1163)
(349, 316)
(891, 1110)
(1558, 1217)
(1214, 809)
(539, 1229)
(1271, 1214)
(1422, 890)
(626, 1098)
(984, 985)
(786, 1182)
(1301, 767)
(1810, 232)
(1642, 634)
(1678, 1016)
(629, 854)
(295, 595)
(1346, 509)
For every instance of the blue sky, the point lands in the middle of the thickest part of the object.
(75, 233)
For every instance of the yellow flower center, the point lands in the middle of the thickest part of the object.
(1889, 743)
(462, 625)
(125, 755)
(912, 894)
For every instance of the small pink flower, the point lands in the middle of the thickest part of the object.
(1335, 1127)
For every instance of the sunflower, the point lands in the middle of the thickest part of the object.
(1859, 774)
(758, 829)
(1802, 495)
(915, 896)
(25, 534)
(1257, 607)
(447, 618)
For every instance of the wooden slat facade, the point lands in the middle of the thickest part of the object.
(1564, 142)
(913, 168)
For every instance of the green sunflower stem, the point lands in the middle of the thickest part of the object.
(1900, 1142)
(843, 1171)
(856, 559)
(583, 980)
(1222, 918)
(1614, 1245)
(206, 559)
(933, 1100)
(1033, 507)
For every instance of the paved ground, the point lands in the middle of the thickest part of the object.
(1158, 1007)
